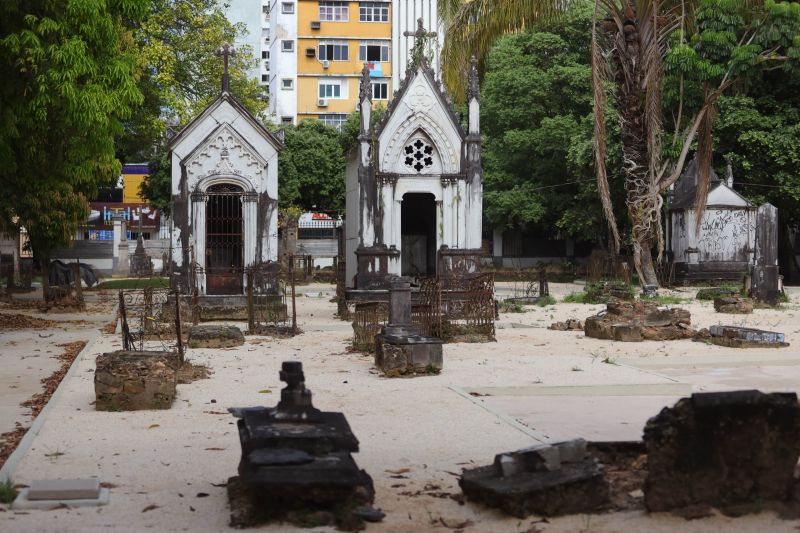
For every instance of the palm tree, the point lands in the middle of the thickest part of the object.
(629, 45)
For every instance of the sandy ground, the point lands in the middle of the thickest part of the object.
(535, 385)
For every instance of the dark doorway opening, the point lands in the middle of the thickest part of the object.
(224, 240)
(418, 234)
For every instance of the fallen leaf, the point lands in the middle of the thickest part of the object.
(398, 471)
(202, 494)
(265, 391)
(154, 426)
(150, 507)
(215, 449)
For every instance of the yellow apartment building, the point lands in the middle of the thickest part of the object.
(334, 40)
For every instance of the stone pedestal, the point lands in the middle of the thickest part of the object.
(400, 349)
(296, 463)
(546, 480)
(639, 321)
(130, 381)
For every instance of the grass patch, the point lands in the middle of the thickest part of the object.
(784, 298)
(575, 298)
(7, 491)
(664, 299)
(546, 300)
(507, 306)
(134, 283)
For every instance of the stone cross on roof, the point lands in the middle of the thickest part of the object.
(421, 36)
(226, 50)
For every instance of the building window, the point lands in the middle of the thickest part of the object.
(380, 90)
(286, 120)
(266, 65)
(334, 51)
(264, 54)
(287, 84)
(419, 155)
(335, 120)
(373, 51)
(287, 7)
(332, 89)
(373, 11)
(287, 45)
(334, 11)
(265, 77)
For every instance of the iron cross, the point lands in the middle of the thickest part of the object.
(421, 33)
(226, 50)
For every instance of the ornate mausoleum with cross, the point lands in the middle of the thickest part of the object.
(224, 195)
(414, 182)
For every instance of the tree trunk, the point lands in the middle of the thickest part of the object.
(44, 265)
(643, 198)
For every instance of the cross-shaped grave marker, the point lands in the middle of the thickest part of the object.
(421, 36)
(225, 51)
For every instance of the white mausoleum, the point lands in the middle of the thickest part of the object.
(414, 182)
(224, 196)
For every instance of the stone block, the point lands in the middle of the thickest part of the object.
(208, 336)
(408, 356)
(129, 381)
(733, 305)
(730, 450)
(64, 489)
(23, 502)
(736, 337)
(571, 451)
(638, 321)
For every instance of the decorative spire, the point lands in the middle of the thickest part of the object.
(364, 92)
(473, 89)
(225, 51)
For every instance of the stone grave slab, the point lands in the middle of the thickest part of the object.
(639, 321)
(49, 493)
(737, 337)
(212, 336)
(545, 480)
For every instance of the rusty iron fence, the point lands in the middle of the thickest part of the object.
(426, 308)
(368, 319)
(150, 319)
(468, 308)
(271, 299)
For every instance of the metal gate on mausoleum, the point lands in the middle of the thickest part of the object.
(224, 239)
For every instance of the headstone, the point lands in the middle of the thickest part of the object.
(766, 284)
(297, 459)
(141, 264)
(730, 450)
(212, 336)
(547, 480)
(401, 350)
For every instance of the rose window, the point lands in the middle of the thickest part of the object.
(419, 155)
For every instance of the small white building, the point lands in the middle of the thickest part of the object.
(725, 244)
(414, 183)
(224, 197)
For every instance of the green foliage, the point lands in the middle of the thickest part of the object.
(546, 300)
(600, 293)
(68, 72)
(536, 117)
(311, 167)
(575, 298)
(157, 186)
(8, 492)
(510, 306)
(664, 299)
(352, 127)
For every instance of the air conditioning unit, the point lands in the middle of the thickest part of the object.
(322, 102)
(326, 63)
(311, 52)
(315, 25)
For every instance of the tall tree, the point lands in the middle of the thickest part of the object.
(181, 73)
(536, 107)
(68, 70)
(629, 42)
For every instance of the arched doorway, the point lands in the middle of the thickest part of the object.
(224, 239)
(418, 234)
